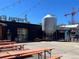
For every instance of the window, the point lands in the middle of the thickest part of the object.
(22, 34)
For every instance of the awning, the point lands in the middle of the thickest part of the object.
(70, 26)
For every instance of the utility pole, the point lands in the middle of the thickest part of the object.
(25, 17)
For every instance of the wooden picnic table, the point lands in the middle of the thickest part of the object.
(14, 46)
(21, 53)
(5, 43)
(5, 40)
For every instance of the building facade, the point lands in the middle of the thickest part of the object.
(20, 32)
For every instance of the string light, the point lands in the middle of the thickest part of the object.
(11, 5)
(30, 9)
(19, 2)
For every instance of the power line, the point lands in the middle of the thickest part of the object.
(11, 5)
(30, 9)
(19, 2)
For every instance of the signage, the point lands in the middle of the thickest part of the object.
(5, 18)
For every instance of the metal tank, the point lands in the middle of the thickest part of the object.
(49, 23)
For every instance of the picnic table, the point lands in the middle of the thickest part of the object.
(13, 46)
(5, 40)
(5, 43)
(20, 53)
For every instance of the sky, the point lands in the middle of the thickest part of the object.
(37, 9)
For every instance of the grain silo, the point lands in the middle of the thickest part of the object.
(49, 23)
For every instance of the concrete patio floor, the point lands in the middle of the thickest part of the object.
(69, 50)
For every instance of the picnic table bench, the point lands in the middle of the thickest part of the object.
(20, 53)
(55, 57)
(12, 46)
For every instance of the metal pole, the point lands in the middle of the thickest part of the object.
(44, 54)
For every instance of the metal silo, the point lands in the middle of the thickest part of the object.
(49, 23)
